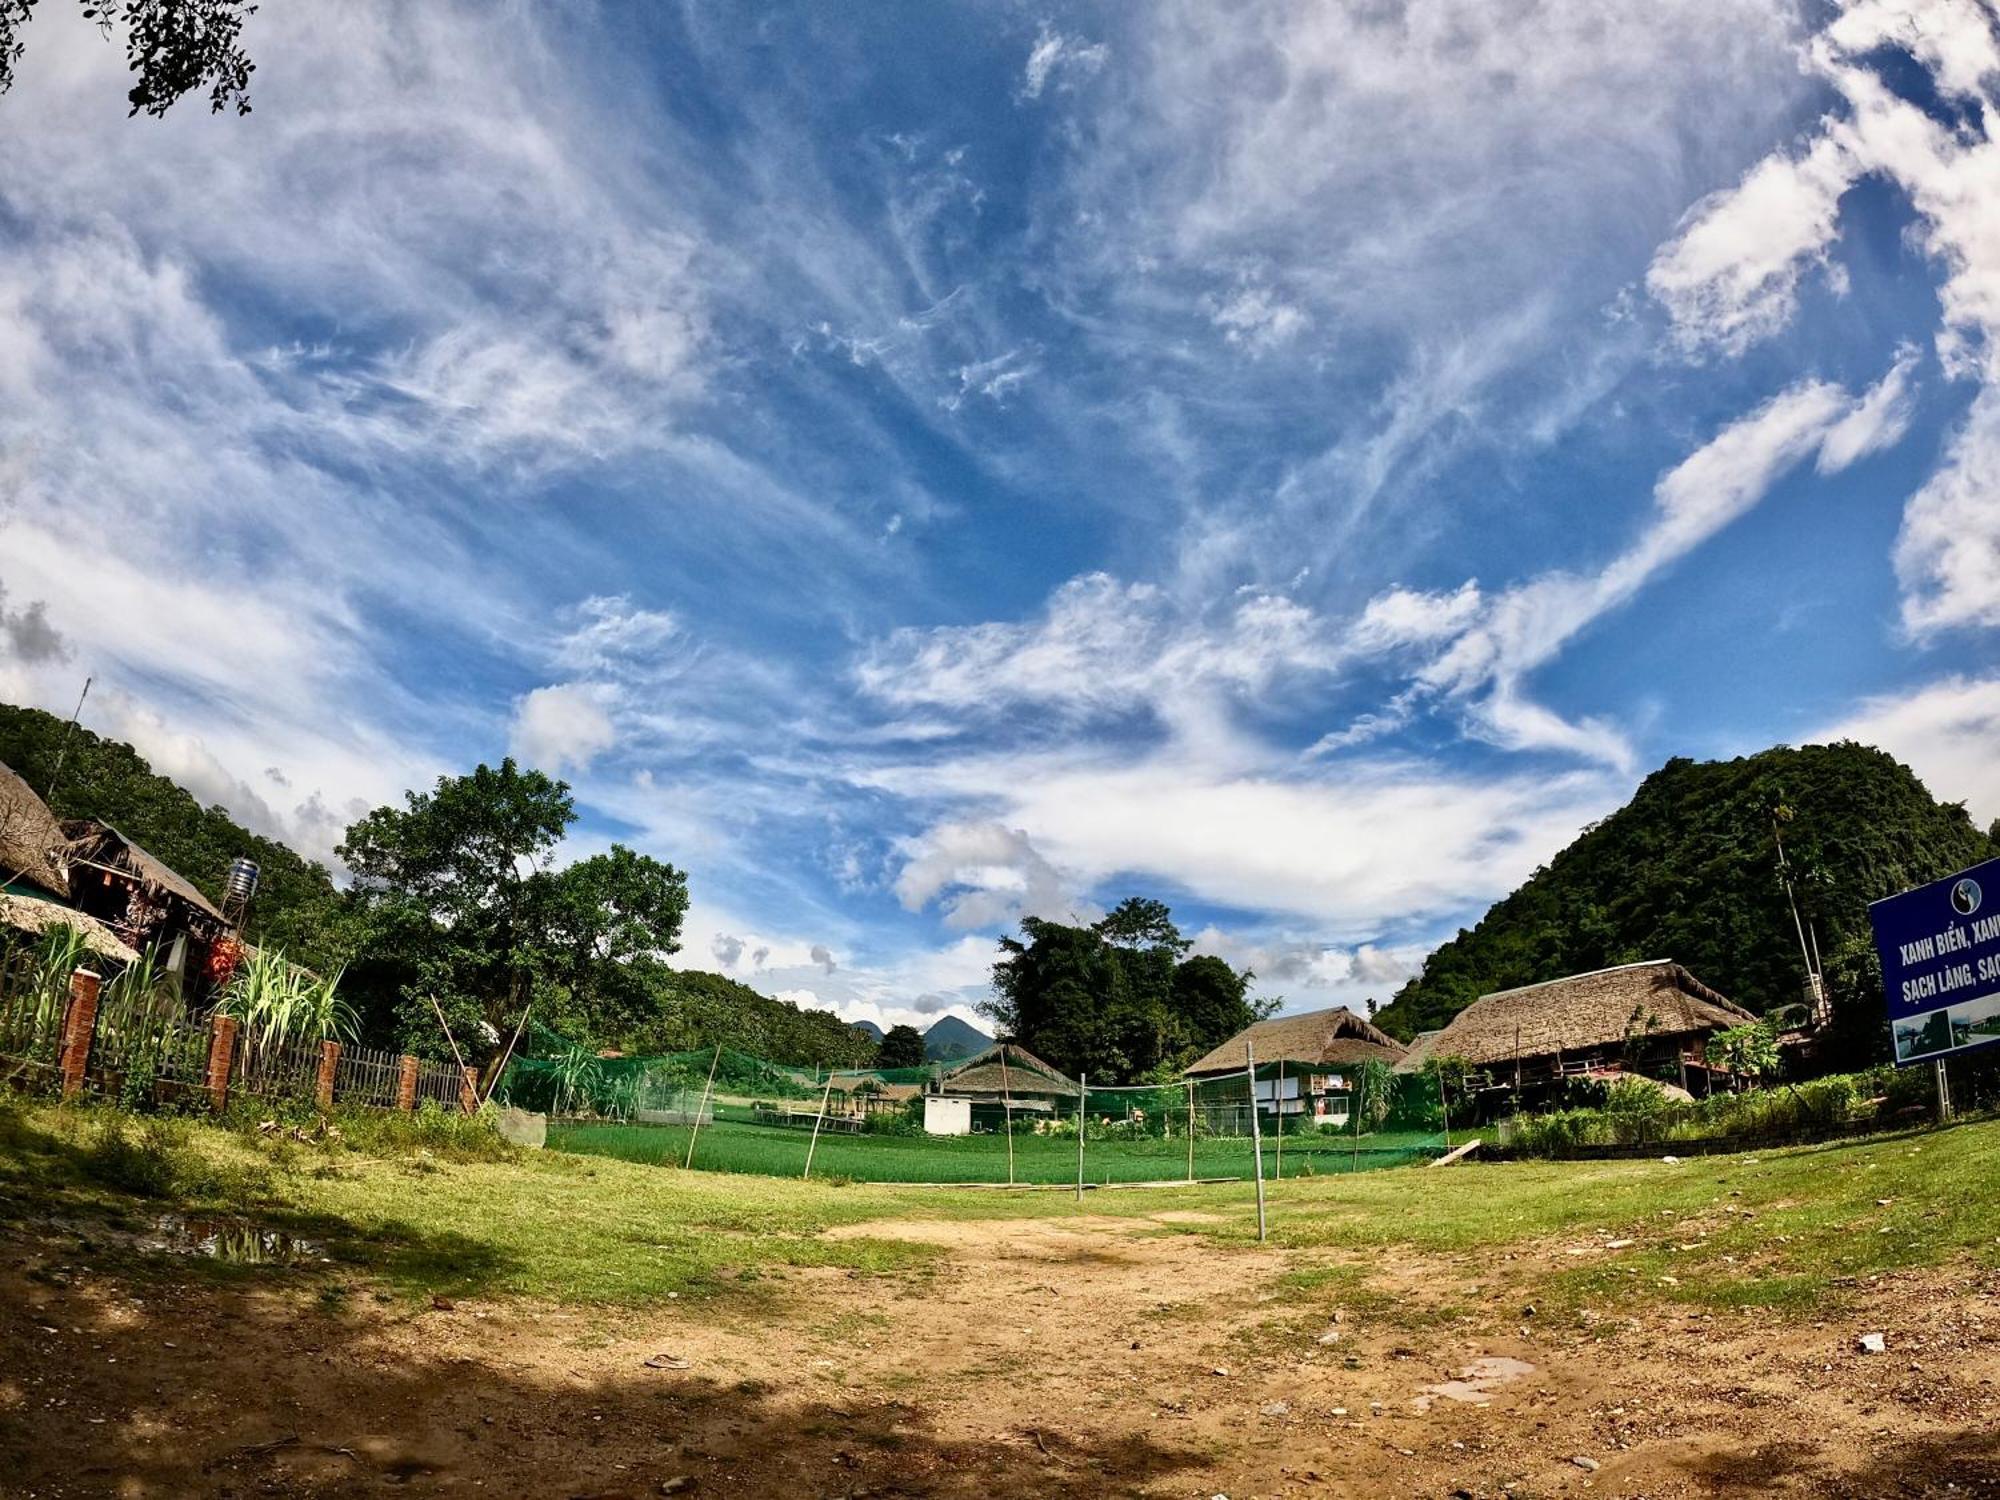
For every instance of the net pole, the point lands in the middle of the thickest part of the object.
(1190, 1084)
(1007, 1105)
(1256, 1135)
(1281, 1120)
(818, 1120)
(1082, 1083)
(1354, 1118)
(702, 1107)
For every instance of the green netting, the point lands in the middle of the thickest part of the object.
(767, 1118)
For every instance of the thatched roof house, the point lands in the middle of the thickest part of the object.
(1634, 1013)
(1317, 1038)
(1006, 1071)
(31, 840)
(102, 847)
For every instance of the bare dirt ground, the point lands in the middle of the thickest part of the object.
(1067, 1356)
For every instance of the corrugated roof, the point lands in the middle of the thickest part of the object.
(31, 840)
(1583, 1011)
(1318, 1036)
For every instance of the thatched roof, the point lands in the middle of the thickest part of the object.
(31, 840)
(1006, 1069)
(1587, 1011)
(1419, 1053)
(102, 844)
(1316, 1037)
(27, 914)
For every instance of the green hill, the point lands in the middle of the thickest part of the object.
(1688, 870)
(950, 1039)
(297, 907)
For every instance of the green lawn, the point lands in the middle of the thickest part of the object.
(774, 1151)
(1784, 1229)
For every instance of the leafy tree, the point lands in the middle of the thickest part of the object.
(1689, 870)
(1117, 999)
(1211, 1003)
(902, 1047)
(171, 46)
(467, 914)
(1749, 1051)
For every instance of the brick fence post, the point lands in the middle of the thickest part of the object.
(78, 1028)
(329, 1064)
(406, 1083)
(468, 1090)
(221, 1053)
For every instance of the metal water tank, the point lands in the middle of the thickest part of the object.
(242, 882)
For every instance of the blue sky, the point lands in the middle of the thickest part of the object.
(914, 466)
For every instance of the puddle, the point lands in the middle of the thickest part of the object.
(235, 1241)
(1477, 1382)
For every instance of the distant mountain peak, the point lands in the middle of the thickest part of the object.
(950, 1039)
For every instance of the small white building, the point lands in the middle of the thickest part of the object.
(944, 1115)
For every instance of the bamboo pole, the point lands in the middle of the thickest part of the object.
(1007, 1105)
(818, 1121)
(501, 1071)
(1082, 1088)
(1190, 1084)
(1354, 1117)
(695, 1134)
(456, 1056)
(1281, 1120)
(1256, 1135)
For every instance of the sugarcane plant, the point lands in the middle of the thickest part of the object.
(279, 1003)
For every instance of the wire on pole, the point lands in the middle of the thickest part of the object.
(1256, 1135)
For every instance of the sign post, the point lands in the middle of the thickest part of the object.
(1940, 951)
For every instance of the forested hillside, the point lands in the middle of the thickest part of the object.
(1688, 870)
(643, 1005)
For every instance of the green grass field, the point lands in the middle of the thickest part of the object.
(771, 1151)
(421, 1209)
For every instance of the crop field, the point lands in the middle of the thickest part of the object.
(775, 1151)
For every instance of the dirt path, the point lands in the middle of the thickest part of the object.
(1081, 1356)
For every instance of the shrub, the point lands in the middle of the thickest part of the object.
(430, 1127)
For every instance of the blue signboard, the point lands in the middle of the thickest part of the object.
(1940, 947)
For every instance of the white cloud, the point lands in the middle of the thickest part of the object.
(1948, 731)
(1054, 53)
(1378, 842)
(1259, 319)
(1732, 275)
(1515, 631)
(1412, 617)
(984, 875)
(1948, 551)
(560, 726)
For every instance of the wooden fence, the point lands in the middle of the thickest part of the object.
(49, 1038)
